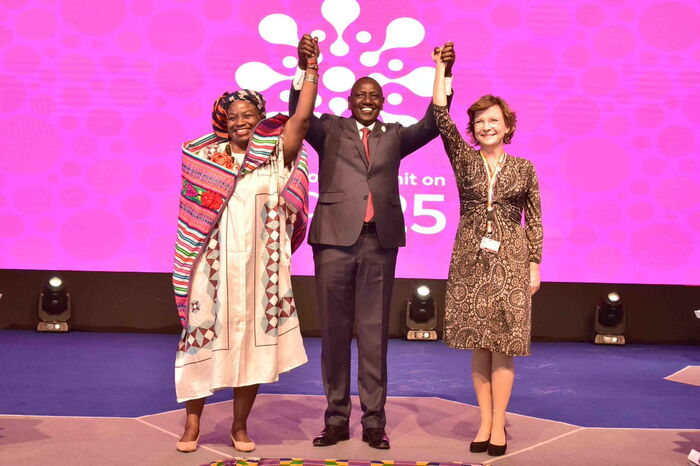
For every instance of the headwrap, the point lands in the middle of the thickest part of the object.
(219, 112)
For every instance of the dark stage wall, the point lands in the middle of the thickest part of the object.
(143, 302)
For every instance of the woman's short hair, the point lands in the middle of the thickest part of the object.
(486, 101)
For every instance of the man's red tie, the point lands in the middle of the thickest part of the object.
(369, 213)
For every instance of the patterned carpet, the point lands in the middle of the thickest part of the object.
(303, 462)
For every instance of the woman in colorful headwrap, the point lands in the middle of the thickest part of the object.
(243, 210)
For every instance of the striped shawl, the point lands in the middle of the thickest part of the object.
(207, 187)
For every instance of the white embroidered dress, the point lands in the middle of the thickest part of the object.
(243, 328)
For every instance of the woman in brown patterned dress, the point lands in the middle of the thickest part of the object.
(494, 268)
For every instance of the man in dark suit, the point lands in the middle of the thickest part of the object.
(355, 233)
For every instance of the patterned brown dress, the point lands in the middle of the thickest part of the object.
(488, 295)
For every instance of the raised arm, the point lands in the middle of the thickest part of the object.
(417, 135)
(308, 46)
(298, 124)
(451, 139)
(439, 92)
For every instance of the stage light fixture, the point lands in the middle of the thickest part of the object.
(421, 315)
(609, 321)
(54, 307)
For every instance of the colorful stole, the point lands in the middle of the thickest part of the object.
(207, 187)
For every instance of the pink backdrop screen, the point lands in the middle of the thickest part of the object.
(97, 97)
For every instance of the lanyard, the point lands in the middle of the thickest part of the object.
(490, 217)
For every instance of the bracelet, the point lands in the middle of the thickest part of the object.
(311, 78)
(313, 66)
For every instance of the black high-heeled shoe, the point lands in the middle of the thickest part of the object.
(497, 450)
(479, 447)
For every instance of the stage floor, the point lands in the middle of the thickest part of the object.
(86, 398)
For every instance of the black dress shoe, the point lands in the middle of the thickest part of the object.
(376, 437)
(479, 447)
(497, 450)
(331, 435)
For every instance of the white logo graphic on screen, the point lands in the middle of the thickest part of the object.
(400, 33)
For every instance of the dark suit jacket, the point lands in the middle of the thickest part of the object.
(345, 178)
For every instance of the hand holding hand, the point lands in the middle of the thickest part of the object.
(307, 48)
(534, 278)
(447, 56)
(312, 60)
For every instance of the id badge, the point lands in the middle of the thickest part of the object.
(490, 245)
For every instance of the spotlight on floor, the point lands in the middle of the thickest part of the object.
(54, 307)
(421, 315)
(609, 322)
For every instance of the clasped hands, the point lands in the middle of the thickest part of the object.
(307, 50)
(445, 55)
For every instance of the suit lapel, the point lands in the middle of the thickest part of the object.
(351, 131)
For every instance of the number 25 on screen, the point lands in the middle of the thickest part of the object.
(420, 209)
